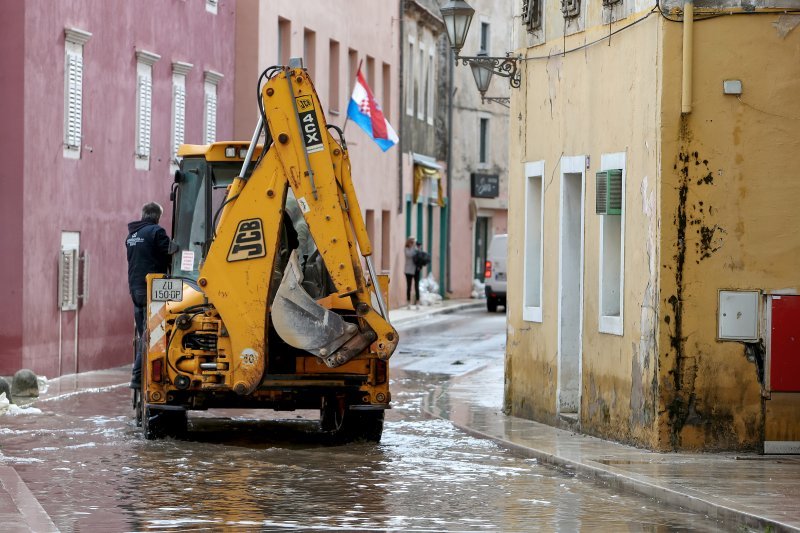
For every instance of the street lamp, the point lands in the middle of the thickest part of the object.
(482, 72)
(457, 15)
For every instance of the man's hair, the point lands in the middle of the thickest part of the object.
(152, 212)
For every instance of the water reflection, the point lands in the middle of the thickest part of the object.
(91, 471)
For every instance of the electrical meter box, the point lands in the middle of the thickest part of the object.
(737, 317)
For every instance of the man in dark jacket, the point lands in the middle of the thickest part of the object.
(148, 252)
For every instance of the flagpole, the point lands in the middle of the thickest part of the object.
(346, 114)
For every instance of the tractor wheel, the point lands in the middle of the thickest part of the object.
(344, 425)
(160, 423)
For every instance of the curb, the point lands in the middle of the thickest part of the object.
(692, 500)
(438, 311)
(28, 508)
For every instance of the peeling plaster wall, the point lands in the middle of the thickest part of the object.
(730, 219)
(602, 99)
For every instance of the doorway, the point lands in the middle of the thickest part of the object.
(570, 287)
(481, 244)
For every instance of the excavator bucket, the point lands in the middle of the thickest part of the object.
(302, 322)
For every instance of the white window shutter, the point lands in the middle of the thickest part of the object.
(179, 125)
(144, 122)
(74, 111)
(211, 117)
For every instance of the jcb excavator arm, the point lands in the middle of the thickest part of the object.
(238, 274)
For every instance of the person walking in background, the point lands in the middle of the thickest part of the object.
(410, 271)
(421, 260)
(148, 250)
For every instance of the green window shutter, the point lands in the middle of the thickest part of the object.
(609, 192)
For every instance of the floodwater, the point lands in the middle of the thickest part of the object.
(91, 470)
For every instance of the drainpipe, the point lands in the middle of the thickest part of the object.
(688, 41)
(446, 281)
(399, 152)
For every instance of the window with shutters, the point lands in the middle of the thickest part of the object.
(179, 72)
(212, 79)
(144, 107)
(73, 91)
(420, 77)
(144, 111)
(532, 14)
(610, 191)
(429, 91)
(409, 77)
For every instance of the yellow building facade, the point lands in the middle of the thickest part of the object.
(653, 215)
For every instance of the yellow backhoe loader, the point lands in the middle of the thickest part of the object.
(267, 304)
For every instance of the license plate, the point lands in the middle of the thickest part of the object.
(166, 290)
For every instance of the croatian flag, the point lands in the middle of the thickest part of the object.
(365, 111)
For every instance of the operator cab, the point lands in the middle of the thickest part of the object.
(198, 193)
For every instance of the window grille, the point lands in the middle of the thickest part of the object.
(570, 8)
(532, 14)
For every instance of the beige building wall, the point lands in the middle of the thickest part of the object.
(571, 114)
(709, 204)
(730, 189)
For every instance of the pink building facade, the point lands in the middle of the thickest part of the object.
(95, 97)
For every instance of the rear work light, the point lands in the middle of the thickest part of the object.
(487, 273)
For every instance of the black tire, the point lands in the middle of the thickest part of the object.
(331, 415)
(137, 408)
(491, 304)
(343, 425)
(160, 423)
(366, 425)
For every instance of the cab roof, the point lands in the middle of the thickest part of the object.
(216, 151)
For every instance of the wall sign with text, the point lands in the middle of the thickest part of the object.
(484, 185)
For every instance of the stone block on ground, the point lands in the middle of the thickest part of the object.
(5, 387)
(25, 383)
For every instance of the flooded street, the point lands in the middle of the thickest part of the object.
(91, 470)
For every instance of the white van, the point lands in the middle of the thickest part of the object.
(495, 272)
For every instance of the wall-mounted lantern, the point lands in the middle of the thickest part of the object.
(457, 15)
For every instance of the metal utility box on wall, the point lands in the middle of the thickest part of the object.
(737, 316)
(609, 192)
(783, 347)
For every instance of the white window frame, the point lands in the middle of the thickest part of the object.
(533, 246)
(179, 72)
(488, 145)
(74, 39)
(211, 6)
(144, 107)
(431, 84)
(612, 324)
(210, 84)
(419, 82)
(485, 20)
(409, 78)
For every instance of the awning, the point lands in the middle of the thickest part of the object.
(425, 161)
(426, 168)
